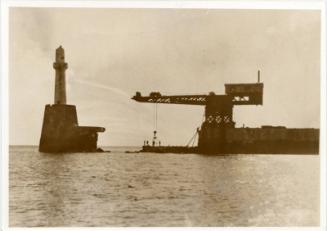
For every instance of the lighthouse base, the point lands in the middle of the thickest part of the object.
(61, 133)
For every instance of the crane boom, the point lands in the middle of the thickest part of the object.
(156, 97)
(238, 94)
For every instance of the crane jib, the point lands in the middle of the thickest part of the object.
(237, 94)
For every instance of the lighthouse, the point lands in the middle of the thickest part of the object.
(60, 130)
(60, 83)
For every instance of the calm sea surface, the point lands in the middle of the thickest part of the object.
(142, 189)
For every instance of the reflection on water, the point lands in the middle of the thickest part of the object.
(139, 189)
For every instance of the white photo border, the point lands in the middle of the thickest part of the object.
(232, 4)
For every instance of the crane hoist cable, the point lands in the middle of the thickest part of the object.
(155, 125)
(155, 117)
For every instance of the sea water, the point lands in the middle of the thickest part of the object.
(148, 189)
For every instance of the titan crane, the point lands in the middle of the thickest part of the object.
(218, 110)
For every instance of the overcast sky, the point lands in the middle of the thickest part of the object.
(112, 53)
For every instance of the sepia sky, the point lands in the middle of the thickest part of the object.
(112, 53)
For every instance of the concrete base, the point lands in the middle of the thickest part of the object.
(61, 133)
